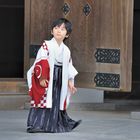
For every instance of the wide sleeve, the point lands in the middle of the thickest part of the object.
(72, 71)
(40, 69)
(29, 77)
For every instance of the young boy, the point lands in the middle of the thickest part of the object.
(51, 83)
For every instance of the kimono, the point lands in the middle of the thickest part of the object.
(51, 101)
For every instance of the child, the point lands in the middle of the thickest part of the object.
(51, 83)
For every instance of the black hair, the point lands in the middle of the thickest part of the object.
(60, 21)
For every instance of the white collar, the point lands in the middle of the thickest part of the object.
(56, 44)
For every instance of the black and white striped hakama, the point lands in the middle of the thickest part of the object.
(51, 120)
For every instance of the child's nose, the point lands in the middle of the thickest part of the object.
(59, 29)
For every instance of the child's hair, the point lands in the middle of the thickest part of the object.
(60, 21)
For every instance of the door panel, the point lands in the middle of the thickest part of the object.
(116, 23)
(43, 13)
(84, 39)
(101, 41)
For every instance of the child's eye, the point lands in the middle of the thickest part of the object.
(63, 29)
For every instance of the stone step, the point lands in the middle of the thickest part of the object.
(125, 105)
(13, 100)
(13, 86)
(117, 105)
(123, 101)
(135, 115)
(84, 106)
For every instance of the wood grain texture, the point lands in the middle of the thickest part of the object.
(43, 13)
(109, 25)
(27, 19)
(116, 26)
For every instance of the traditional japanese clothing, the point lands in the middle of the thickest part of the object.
(49, 104)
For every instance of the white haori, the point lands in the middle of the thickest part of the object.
(68, 71)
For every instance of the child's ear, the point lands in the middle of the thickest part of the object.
(51, 32)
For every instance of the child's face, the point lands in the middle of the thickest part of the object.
(59, 32)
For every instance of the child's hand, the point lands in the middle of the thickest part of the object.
(71, 86)
(43, 82)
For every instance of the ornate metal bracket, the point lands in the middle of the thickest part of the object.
(33, 50)
(87, 9)
(108, 80)
(66, 8)
(107, 55)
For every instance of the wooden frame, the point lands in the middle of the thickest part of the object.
(27, 13)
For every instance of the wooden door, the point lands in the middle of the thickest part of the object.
(101, 41)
